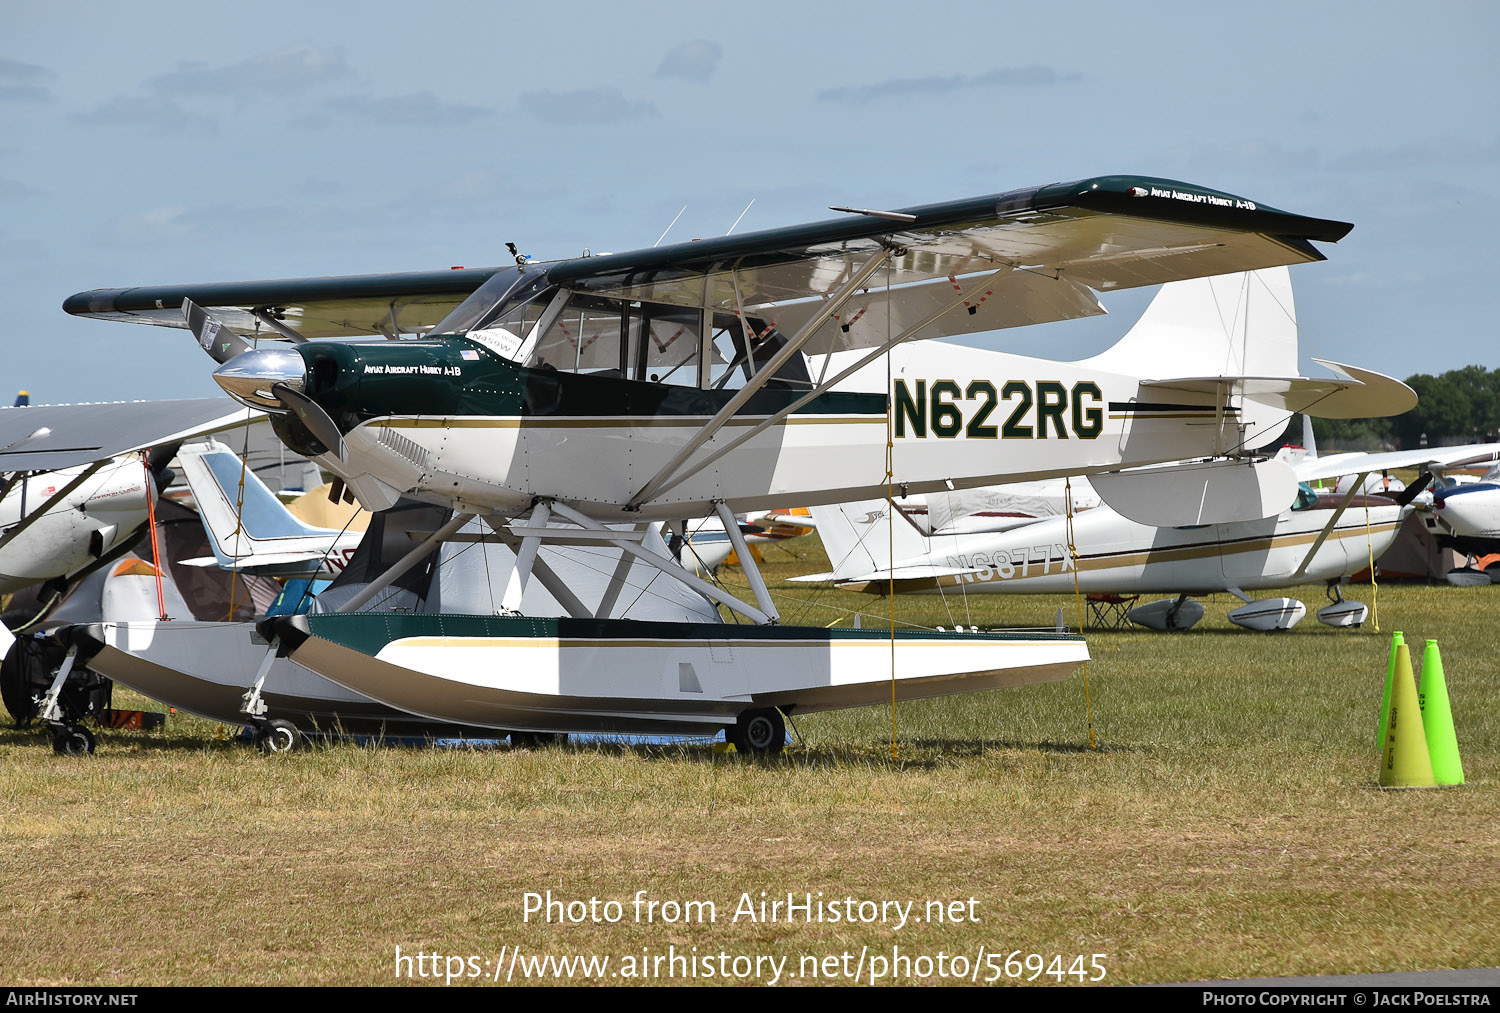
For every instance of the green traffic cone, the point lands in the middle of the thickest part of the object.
(1437, 719)
(1397, 639)
(1404, 762)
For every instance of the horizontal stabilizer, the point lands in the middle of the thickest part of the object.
(1206, 492)
(1363, 394)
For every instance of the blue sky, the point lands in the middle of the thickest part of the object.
(190, 142)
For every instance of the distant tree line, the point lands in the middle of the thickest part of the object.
(1459, 406)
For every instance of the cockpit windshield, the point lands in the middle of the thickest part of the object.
(1307, 497)
(502, 294)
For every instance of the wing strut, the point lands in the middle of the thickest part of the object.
(539, 569)
(629, 542)
(1358, 486)
(263, 314)
(752, 572)
(791, 348)
(515, 587)
(406, 562)
(55, 499)
(824, 386)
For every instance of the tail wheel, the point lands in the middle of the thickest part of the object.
(759, 732)
(278, 736)
(74, 740)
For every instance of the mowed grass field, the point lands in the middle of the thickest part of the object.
(1226, 825)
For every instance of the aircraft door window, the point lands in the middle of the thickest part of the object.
(648, 342)
(740, 364)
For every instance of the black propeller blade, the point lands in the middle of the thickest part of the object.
(314, 417)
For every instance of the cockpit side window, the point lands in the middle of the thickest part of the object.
(645, 341)
(1307, 497)
(742, 359)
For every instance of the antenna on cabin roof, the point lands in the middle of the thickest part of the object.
(668, 229)
(742, 216)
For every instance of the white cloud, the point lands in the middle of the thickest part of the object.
(1032, 75)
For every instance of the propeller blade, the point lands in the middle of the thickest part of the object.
(313, 417)
(1414, 490)
(217, 340)
(159, 458)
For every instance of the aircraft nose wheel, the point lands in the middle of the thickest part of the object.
(278, 736)
(73, 740)
(759, 732)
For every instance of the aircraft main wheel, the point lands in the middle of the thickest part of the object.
(537, 740)
(278, 736)
(759, 732)
(74, 740)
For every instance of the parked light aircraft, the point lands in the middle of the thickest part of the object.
(707, 545)
(73, 488)
(1318, 538)
(73, 497)
(1467, 516)
(1321, 538)
(554, 400)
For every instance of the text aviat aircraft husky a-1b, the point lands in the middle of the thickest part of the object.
(561, 401)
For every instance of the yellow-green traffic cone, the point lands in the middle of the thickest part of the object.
(1437, 719)
(1404, 762)
(1397, 639)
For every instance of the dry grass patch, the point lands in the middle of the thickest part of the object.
(1227, 825)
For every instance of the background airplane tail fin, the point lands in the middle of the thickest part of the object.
(858, 537)
(23, 398)
(1230, 325)
(212, 471)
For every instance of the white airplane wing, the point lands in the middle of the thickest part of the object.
(1312, 469)
(54, 437)
(1047, 247)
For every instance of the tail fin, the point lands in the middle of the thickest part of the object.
(257, 526)
(23, 398)
(1228, 325)
(860, 540)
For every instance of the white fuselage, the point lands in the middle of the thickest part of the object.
(1471, 510)
(962, 417)
(98, 515)
(1119, 555)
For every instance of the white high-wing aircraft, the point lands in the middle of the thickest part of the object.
(73, 488)
(1320, 537)
(557, 399)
